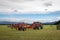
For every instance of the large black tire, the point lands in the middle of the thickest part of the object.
(41, 27)
(24, 29)
(37, 28)
(19, 28)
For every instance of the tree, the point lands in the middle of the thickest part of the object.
(58, 25)
(57, 22)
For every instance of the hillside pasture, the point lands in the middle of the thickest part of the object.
(49, 32)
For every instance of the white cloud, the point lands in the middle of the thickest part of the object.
(26, 6)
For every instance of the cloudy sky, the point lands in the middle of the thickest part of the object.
(30, 10)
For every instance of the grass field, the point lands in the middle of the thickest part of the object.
(47, 33)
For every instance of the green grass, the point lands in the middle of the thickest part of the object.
(47, 33)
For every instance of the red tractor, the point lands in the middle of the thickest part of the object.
(37, 25)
